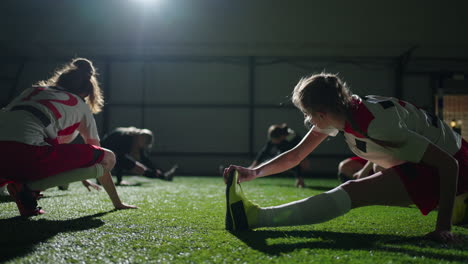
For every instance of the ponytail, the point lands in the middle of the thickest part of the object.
(79, 77)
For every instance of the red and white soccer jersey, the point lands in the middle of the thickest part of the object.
(395, 134)
(33, 124)
(406, 128)
(58, 116)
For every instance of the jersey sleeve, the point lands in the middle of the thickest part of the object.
(88, 128)
(389, 130)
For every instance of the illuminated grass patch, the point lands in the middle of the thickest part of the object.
(183, 222)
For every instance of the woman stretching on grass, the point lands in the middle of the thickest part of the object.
(420, 155)
(34, 125)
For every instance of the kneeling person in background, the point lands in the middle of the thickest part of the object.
(131, 146)
(281, 138)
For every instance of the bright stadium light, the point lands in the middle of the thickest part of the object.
(145, 1)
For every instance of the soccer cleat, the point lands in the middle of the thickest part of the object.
(241, 214)
(460, 210)
(26, 200)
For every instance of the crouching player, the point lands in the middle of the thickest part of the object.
(424, 161)
(131, 146)
(34, 124)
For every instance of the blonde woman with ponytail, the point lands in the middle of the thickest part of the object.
(34, 128)
(424, 162)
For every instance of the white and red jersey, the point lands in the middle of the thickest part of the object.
(50, 114)
(389, 132)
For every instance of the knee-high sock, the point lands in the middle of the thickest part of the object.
(312, 210)
(64, 178)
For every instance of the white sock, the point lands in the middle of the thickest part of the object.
(67, 177)
(315, 209)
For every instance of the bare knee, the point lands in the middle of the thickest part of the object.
(348, 167)
(342, 165)
(109, 160)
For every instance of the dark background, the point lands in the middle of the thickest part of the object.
(209, 77)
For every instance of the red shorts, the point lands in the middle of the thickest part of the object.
(359, 159)
(422, 181)
(21, 162)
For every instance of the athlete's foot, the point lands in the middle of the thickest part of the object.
(123, 183)
(241, 214)
(63, 187)
(460, 210)
(26, 200)
(300, 183)
(169, 175)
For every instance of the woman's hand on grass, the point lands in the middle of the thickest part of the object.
(125, 206)
(90, 185)
(444, 236)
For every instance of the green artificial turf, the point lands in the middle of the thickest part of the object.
(183, 222)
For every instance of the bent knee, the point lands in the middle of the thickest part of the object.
(109, 160)
(348, 167)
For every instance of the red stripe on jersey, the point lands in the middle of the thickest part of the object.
(69, 130)
(402, 103)
(71, 101)
(349, 129)
(362, 117)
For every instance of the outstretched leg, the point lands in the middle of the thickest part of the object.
(383, 188)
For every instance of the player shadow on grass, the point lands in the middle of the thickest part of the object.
(131, 184)
(264, 241)
(7, 198)
(135, 181)
(19, 236)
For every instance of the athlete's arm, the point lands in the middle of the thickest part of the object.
(447, 167)
(292, 157)
(280, 163)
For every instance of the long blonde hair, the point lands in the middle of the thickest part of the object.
(79, 77)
